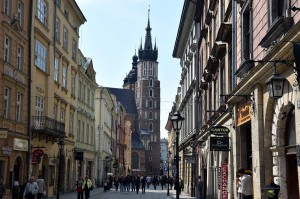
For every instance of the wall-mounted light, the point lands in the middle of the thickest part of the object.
(275, 84)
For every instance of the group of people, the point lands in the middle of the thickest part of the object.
(245, 187)
(84, 186)
(35, 187)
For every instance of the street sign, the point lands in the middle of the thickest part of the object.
(219, 143)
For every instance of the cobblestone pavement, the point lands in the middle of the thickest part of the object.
(98, 193)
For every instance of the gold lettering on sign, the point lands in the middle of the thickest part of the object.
(244, 114)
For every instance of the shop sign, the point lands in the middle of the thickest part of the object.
(219, 130)
(36, 156)
(224, 176)
(6, 150)
(20, 144)
(3, 134)
(244, 114)
(219, 143)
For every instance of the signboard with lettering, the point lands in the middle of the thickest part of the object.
(20, 144)
(219, 143)
(244, 113)
(224, 176)
(219, 130)
(3, 134)
(36, 156)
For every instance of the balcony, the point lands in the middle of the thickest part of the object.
(46, 128)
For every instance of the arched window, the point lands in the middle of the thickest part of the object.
(151, 82)
(150, 104)
(150, 127)
(151, 93)
(150, 115)
(144, 69)
(135, 160)
(151, 69)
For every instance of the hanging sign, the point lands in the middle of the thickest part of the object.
(224, 176)
(219, 130)
(244, 113)
(219, 143)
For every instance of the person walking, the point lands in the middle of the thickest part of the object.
(42, 188)
(116, 183)
(143, 181)
(79, 188)
(137, 184)
(87, 186)
(2, 188)
(246, 183)
(239, 187)
(199, 187)
(273, 190)
(31, 189)
(132, 183)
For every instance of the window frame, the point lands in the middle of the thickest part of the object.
(65, 38)
(7, 49)
(19, 105)
(64, 76)
(42, 11)
(56, 69)
(41, 55)
(6, 106)
(20, 57)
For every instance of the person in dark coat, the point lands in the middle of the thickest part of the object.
(116, 183)
(137, 184)
(273, 190)
(2, 188)
(143, 181)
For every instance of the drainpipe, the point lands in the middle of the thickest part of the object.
(28, 158)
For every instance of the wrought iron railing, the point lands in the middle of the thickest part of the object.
(44, 123)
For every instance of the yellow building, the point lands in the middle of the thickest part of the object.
(54, 43)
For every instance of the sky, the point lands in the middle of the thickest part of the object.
(112, 33)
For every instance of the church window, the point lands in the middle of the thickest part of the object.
(150, 93)
(151, 69)
(151, 82)
(150, 127)
(144, 69)
(135, 161)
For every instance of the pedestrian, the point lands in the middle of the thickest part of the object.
(116, 183)
(137, 184)
(2, 188)
(246, 183)
(132, 183)
(273, 190)
(42, 188)
(79, 188)
(31, 189)
(87, 186)
(149, 179)
(199, 187)
(239, 187)
(171, 182)
(143, 182)
(154, 182)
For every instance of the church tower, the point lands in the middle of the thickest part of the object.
(147, 95)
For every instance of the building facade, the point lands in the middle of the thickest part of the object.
(241, 47)
(15, 91)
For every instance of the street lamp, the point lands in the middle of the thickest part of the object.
(177, 123)
(61, 145)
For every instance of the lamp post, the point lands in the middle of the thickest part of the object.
(177, 123)
(61, 145)
(168, 191)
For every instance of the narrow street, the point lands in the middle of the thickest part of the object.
(112, 194)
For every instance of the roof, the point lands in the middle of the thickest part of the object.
(126, 97)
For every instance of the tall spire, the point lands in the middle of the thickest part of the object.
(148, 52)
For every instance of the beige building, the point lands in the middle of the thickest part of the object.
(53, 95)
(242, 46)
(84, 150)
(14, 91)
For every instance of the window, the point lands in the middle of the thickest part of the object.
(150, 147)
(150, 158)
(246, 34)
(78, 130)
(7, 49)
(151, 69)
(150, 93)
(135, 160)
(93, 99)
(64, 77)
(62, 115)
(276, 10)
(150, 127)
(83, 93)
(58, 3)
(73, 85)
(79, 90)
(87, 133)
(57, 29)
(20, 53)
(39, 110)
(150, 104)
(55, 111)
(40, 56)
(88, 96)
(65, 39)
(151, 82)
(20, 11)
(56, 70)
(74, 49)
(71, 127)
(42, 8)
(6, 102)
(19, 108)
(144, 69)
(150, 115)
(7, 7)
